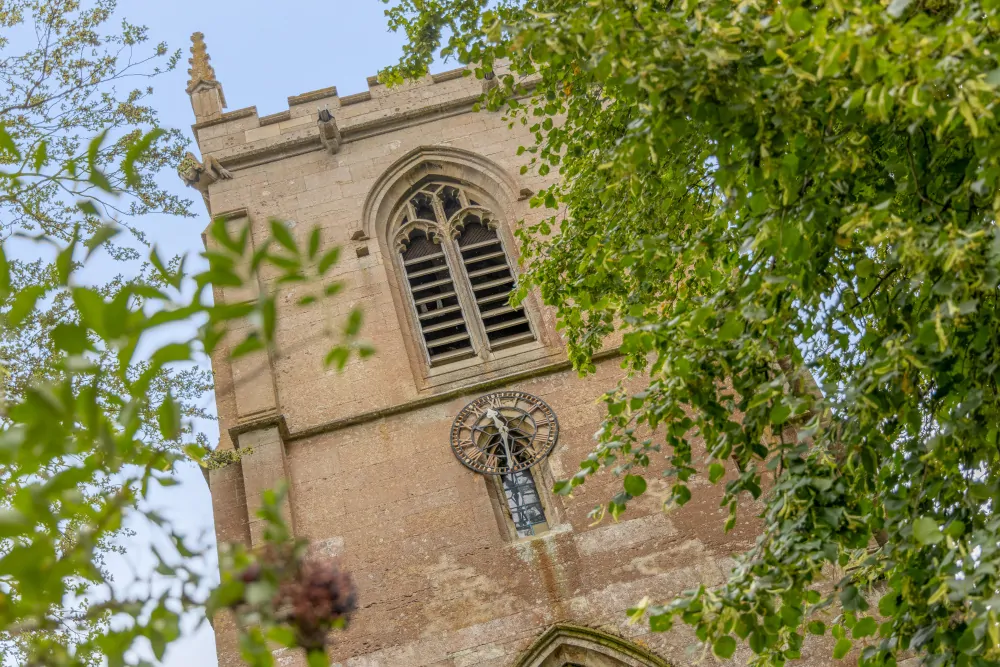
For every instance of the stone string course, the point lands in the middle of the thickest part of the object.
(439, 582)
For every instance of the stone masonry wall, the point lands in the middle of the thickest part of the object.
(440, 582)
(317, 189)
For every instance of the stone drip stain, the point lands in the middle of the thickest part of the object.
(545, 560)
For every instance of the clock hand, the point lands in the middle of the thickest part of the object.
(504, 430)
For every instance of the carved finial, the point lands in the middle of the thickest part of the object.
(201, 67)
(202, 82)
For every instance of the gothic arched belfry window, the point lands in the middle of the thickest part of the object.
(457, 274)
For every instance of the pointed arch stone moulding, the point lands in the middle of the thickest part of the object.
(445, 162)
(566, 644)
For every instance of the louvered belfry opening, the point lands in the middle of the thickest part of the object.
(445, 212)
(445, 332)
(492, 282)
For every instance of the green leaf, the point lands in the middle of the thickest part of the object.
(94, 150)
(259, 592)
(800, 20)
(562, 488)
(102, 235)
(227, 594)
(88, 208)
(329, 258)
(219, 230)
(317, 659)
(41, 156)
(926, 531)
(968, 643)
(170, 353)
(136, 151)
(724, 647)
(281, 234)
(4, 273)
(196, 453)
(864, 628)
(731, 328)
(817, 628)
(635, 485)
(172, 279)
(24, 303)
(13, 522)
(353, 325)
(7, 144)
(72, 338)
(99, 180)
(780, 413)
(314, 243)
(852, 600)
(887, 604)
(842, 648)
(64, 260)
(269, 317)
(282, 635)
(337, 356)
(681, 494)
(169, 418)
(252, 343)
(716, 471)
(660, 622)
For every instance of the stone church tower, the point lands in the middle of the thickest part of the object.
(427, 468)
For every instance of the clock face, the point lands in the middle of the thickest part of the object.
(504, 432)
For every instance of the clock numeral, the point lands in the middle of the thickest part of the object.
(481, 406)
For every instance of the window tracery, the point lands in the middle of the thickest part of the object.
(458, 274)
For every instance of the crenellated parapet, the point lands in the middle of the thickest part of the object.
(320, 119)
(324, 120)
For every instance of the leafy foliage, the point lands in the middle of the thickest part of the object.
(64, 79)
(89, 424)
(74, 432)
(757, 194)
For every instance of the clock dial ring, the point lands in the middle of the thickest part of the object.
(504, 432)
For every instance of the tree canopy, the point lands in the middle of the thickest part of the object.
(757, 194)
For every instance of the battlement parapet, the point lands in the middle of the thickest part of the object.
(242, 138)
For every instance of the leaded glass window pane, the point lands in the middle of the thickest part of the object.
(525, 506)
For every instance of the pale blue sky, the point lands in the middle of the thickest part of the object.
(263, 51)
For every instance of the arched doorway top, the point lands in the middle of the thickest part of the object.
(565, 644)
